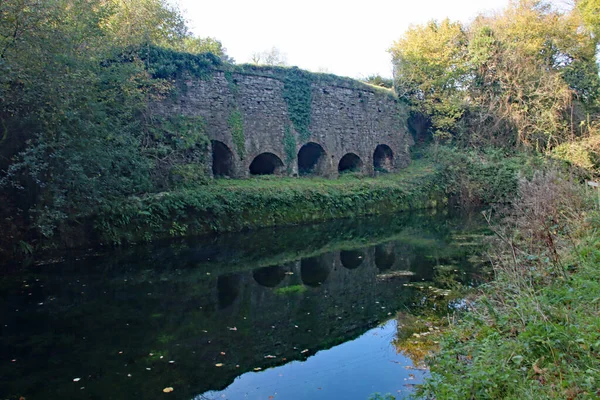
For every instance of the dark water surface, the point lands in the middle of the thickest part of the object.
(287, 313)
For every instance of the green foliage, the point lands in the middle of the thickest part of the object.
(169, 64)
(431, 65)
(179, 147)
(236, 124)
(532, 333)
(289, 146)
(298, 96)
(481, 176)
(76, 81)
(230, 205)
(287, 290)
(378, 80)
(524, 77)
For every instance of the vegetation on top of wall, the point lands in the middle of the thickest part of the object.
(280, 73)
(171, 64)
(236, 124)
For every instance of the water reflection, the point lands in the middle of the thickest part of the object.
(196, 314)
(315, 270)
(269, 276)
(384, 256)
(352, 259)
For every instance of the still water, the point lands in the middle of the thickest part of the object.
(303, 312)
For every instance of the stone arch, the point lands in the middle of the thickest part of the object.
(383, 158)
(352, 259)
(311, 159)
(384, 256)
(266, 164)
(314, 270)
(222, 159)
(269, 276)
(350, 163)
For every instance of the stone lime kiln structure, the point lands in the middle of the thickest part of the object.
(286, 121)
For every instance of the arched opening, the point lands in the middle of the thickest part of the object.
(383, 158)
(222, 159)
(269, 276)
(228, 289)
(311, 159)
(350, 163)
(266, 164)
(384, 256)
(314, 271)
(352, 259)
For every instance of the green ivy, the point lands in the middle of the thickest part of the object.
(236, 123)
(231, 83)
(289, 146)
(298, 96)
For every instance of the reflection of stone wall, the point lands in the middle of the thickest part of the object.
(100, 318)
(347, 117)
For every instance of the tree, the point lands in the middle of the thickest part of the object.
(273, 57)
(526, 76)
(76, 80)
(431, 72)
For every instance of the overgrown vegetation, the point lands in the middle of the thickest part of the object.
(526, 77)
(298, 96)
(517, 95)
(289, 146)
(231, 205)
(76, 81)
(532, 332)
(236, 124)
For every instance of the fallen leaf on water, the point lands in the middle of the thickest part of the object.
(219, 365)
(168, 389)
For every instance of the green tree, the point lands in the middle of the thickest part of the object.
(76, 80)
(431, 70)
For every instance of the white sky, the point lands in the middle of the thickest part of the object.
(348, 38)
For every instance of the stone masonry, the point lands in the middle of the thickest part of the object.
(346, 117)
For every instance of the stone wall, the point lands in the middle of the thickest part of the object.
(346, 117)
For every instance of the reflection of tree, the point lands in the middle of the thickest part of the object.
(414, 339)
(418, 330)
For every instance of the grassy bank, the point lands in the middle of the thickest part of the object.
(233, 205)
(533, 332)
(435, 178)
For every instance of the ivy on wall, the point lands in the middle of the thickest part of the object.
(236, 123)
(289, 146)
(298, 96)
